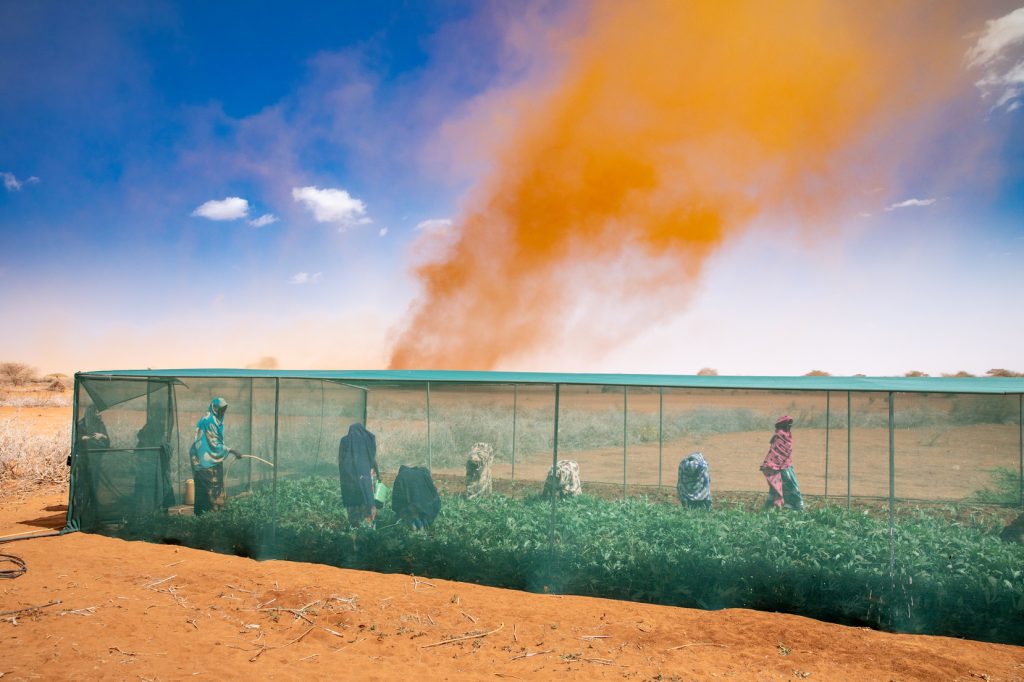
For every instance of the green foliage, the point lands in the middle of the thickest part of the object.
(926, 574)
(1006, 490)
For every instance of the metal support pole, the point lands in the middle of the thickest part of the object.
(554, 451)
(849, 450)
(515, 408)
(366, 406)
(625, 437)
(1020, 441)
(430, 444)
(828, 418)
(892, 460)
(661, 421)
(277, 414)
(248, 484)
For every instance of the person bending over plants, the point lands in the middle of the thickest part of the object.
(777, 467)
(693, 483)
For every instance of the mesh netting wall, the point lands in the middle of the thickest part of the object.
(908, 498)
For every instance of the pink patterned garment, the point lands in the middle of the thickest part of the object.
(780, 452)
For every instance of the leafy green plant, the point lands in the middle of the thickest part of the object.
(924, 574)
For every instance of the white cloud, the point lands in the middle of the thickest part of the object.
(909, 203)
(231, 208)
(1000, 53)
(306, 278)
(332, 206)
(382, 232)
(435, 225)
(264, 220)
(13, 184)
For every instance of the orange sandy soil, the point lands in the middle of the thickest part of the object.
(139, 611)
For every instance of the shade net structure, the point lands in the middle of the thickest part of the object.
(902, 509)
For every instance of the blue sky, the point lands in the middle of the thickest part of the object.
(204, 184)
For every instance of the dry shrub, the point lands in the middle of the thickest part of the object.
(28, 458)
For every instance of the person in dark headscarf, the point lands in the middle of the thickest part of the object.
(415, 499)
(207, 456)
(90, 434)
(155, 434)
(777, 467)
(357, 466)
(693, 484)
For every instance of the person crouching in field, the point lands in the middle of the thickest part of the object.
(777, 467)
(207, 455)
(478, 471)
(693, 483)
(357, 466)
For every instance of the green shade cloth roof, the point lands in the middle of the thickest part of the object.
(991, 385)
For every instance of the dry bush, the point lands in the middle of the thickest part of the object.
(52, 398)
(17, 373)
(959, 375)
(817, 373)
(31, 459)
(707, 372)
(915, 373)
(1003, 373)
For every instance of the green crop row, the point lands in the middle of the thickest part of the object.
(923, 575)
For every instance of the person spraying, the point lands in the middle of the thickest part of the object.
(207, 456)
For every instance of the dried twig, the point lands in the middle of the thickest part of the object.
(266, 648)
(136, 653)
(87, 611)
(471, 618)
(602, 661)
(686, 646)
(29, 608)
(156, 583)
(515, 638)
(175, 563)
(460, 639)
(595, 637)
(532, 653)
(416, 582)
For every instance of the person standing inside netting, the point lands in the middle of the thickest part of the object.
(357, 466)
(207, 455)
(777, 467)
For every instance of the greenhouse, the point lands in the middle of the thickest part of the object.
(905, 517)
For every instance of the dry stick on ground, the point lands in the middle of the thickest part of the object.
(595, 637)
(532, 653)
(459, 639)
(686, 646)
(28, 608)
(515, 638)
(265, 648)
(602, 661)
(175, 563)
(157, 582)
(416, 582)
(471, 618)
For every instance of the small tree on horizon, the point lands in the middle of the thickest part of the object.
(916, 373)
(817, 373)
(17, 373)
(707, 372)
(1003, 373)
(958, 375)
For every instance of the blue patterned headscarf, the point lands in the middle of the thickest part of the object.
(694, 482)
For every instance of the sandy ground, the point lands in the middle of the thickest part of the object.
(139, 611)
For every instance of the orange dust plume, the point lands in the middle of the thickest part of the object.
(663, 129)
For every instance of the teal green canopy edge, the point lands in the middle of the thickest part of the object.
(991, 385)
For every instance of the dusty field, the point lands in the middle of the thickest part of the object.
(136, 611)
